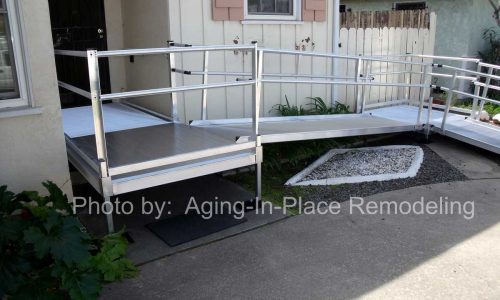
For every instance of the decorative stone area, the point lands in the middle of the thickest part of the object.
(341, 166)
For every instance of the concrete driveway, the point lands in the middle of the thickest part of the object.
(344, 256)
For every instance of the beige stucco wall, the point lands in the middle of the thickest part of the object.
(115, 39)
(146, 26)
(32, 148)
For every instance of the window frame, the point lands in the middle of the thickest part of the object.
(14, 18)
(296, 16)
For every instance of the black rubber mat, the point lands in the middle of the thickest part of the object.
(184, 228)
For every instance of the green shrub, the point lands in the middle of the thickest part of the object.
(289, 110)
(492, 109)
(492, 56)
(46, 253)
(319, 107)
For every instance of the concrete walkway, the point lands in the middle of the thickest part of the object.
(344, 256)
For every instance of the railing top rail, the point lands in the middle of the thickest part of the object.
(71, 53)
(446, 89)
(466, 59)
(480, 74)
(156, 51)
(494, 87)
(486, 65)
(319, 54)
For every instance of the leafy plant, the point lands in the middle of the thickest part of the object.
(492, 109)
(289, 110)
(319, 107)
(491, 56)
(46, 253)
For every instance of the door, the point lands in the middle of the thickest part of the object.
(78, 25)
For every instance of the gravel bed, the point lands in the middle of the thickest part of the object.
(434, 169)
(364, 163)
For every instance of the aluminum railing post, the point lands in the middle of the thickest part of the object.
(407, 78)
(100, 135)
(448, 102)
(364, 88)
(204, 91)
(477, 90)
(173, 83)
(257, 65)
(423, 90)
(474, 115)
(485, 90)
(429, 118)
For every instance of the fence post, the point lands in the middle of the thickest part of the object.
(359, 65)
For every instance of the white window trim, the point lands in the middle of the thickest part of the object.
(19, 57)
(297, 16)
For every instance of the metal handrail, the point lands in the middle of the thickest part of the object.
(328, 55)
(162, 91)
(157, 51)
(71, 53)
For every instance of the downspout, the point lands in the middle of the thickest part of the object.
(335, 44)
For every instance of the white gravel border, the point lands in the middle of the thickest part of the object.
(412, 171)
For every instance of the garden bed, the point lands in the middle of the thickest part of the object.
(340, 166)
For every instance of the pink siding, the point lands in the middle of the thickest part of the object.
(223, 10)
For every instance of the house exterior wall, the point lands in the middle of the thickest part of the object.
(459, 22)
(32, 146)
(115, 39)
(146, 26)
(192, 21)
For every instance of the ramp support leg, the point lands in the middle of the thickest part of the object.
(258, 170)
(109, 214)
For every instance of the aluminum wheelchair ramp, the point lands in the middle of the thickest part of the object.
(285, 129)
(458, 126)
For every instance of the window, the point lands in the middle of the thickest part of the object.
(409, 5)
(272, 9)
(12, 80)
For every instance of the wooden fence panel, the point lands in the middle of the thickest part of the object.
(381, 19)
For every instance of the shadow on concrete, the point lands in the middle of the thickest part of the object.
(343, 256)
(175, 197)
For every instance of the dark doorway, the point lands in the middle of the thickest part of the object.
(78, 25)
